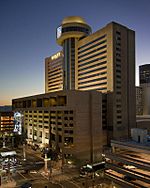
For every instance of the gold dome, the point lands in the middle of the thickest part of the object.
(73, 19)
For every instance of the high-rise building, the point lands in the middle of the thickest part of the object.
(72, 29)
(143, 91)
(142, 98)
(139, 100)
(103, 61)
(54, 73)
(144, 73)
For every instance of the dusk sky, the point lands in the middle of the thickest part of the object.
(27, 36)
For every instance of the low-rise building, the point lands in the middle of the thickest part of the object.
(143, 122)
(69, 121)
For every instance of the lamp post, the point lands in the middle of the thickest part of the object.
(9, 175)
(24, 152)
(50, 171)
(4, 146)
(45, 160)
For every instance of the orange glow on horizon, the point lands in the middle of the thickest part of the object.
(5, 102)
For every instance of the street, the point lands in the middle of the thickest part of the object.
(32, 170)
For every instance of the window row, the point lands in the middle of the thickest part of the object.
(92, 61)
(91, 42)
(92, 66)
(93, 85)
(93, 80)
(93, 51)
(91, 71)
(92, 76)
(92, 56)
(92, 46)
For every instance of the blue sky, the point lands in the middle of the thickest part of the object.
(27, 36)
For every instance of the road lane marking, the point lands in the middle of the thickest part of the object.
(72, 183)
(22, 175)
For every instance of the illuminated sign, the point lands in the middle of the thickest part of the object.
(55, 56)
(59, 32)
(18, 122)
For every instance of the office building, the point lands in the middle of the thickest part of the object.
(146, 99)
(139, 100)
(143, 107)
(6, 121)
(144, 73)
(143, 99)
(143, 91)
(69, 121)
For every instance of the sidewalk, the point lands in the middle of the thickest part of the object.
(10, 184)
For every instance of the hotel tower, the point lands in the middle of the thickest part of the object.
(103, 61)
(89, 91)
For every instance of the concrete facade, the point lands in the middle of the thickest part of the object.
(143, 100)
(103, 61)
(139, 100)
(106, 62)
(144, 74)
(69, 121)
(143, 122)
(139, 135)
(143, 91)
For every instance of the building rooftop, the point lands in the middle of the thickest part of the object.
(73, 19)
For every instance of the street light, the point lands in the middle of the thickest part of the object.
(24, 152)
(4, 146)
(45, 160)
